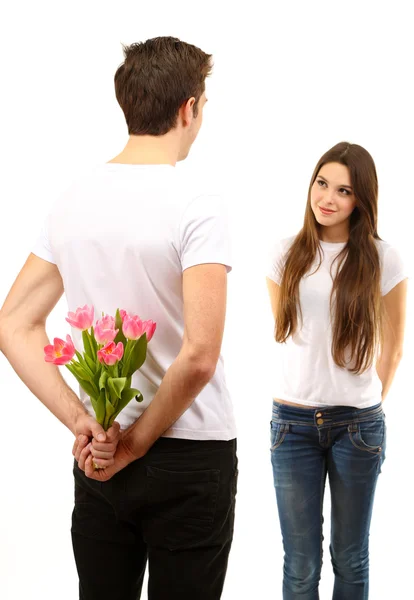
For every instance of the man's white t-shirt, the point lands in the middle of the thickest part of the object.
(308, 374)
(121, 237)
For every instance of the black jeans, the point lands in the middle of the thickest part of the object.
(174, 507)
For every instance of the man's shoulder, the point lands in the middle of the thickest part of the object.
(198, 191)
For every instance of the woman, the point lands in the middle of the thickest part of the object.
(338, 296)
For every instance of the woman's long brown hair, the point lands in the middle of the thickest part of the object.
(356, 304)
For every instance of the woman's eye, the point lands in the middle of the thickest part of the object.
(344, 191)
(321, 183)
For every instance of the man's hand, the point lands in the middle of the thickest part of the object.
(123, 457)
(103, 444)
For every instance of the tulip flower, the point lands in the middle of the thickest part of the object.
(149, 329)
(105, 331)
(111, 353)
(105, 368)
(123, 314)
(132, 328)
(82, 318)
(61, 352)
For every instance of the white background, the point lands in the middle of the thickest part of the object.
(290, 81)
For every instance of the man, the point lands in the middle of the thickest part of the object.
(136, 234)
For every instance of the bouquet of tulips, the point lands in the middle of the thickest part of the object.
(113, 350)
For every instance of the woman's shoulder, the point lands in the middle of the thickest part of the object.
(282, 245)
(383, 245)
(387, 250)
(277, 255)
(393, 269)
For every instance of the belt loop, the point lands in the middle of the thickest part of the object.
(353, 427)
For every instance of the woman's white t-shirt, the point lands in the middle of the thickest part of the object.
(308, 374)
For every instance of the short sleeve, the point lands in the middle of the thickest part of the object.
(42, 246)
(204, 233)
(276, 258)
(393, 270)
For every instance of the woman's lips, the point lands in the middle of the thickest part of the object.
(326, 211)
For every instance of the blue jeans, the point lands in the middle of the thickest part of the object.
(348, 444)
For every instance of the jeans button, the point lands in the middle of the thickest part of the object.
(320, 421)
(319, 414)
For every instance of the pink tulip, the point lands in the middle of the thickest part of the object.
(111, 353)
(149, 329)
(132, 328)
(123, 313)
(61, 352)
(82, 318)
(104, 330)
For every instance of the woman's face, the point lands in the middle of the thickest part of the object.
(332, 196)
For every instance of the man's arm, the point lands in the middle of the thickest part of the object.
(23, 337)
(204, 292)
(393, 335)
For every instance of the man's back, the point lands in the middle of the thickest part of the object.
(121, 238)
(136, 235)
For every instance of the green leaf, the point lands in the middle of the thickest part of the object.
(100, 408)
(96, 407)
(93, 341)
(90, 388)
(110, 411)
(127, 350)
(97, 377)
(118, 325)
(78, 371)
(87, 344)
(109, 407)
(81, 372)
(87, 387)
(84, 364)
(71, 368)
(116, 387)
(91, 363)
(127, 396)
(137, 357)
(102, 380)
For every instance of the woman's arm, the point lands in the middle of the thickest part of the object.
(393, 335)
(273, 290)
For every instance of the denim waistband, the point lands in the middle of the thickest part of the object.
(324, 416)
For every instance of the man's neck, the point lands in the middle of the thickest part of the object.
(149, 150)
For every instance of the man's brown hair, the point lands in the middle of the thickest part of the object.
(154, 81)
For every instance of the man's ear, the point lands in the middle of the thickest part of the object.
(187, 112)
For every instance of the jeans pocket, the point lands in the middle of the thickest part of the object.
(182, 506)
(277, 434)
(368, 436)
